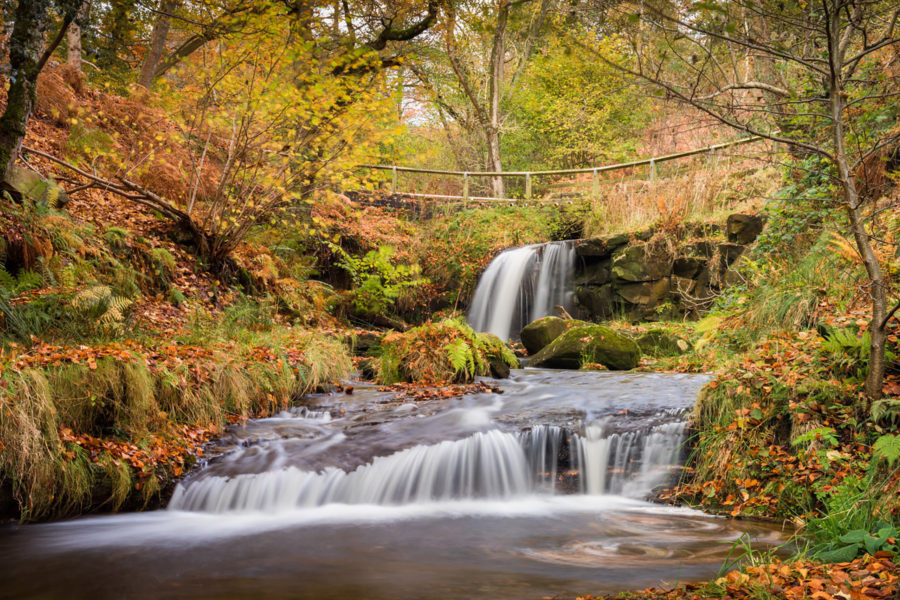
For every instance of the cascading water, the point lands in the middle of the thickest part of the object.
(493, 465)
(523, 284)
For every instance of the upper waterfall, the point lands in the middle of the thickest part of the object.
(523, 284)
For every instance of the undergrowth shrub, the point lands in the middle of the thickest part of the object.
(442, 351)
(378, 281)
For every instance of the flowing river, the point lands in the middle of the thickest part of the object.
(534, 490)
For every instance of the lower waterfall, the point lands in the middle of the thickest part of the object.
(492, 465)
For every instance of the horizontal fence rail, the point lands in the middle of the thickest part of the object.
(530, 175)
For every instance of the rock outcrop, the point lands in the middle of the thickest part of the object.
(652, 274)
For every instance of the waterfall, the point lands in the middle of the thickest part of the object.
(523, 284)
(485, 465)
(490, 465)
(628, 463)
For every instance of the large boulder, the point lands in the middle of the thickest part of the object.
(644, 294)
(659, 343)
(541, 332)
(590, 344)
(743, 229)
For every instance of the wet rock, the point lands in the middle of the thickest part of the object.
(744, 229)
(498, 367)
(682, 285)
(641, 262)
(537, 334)
(364, 343)
(729, 253)
(594, 273)
(659, 343)
(600, 247)
(597, 301)
(590, 344)
(368, 369)
(700, 248)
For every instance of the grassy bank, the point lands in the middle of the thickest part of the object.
(112, 426)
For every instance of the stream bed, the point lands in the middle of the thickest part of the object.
(534, 490)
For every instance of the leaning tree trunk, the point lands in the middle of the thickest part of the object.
(25, 45)
(157, 43)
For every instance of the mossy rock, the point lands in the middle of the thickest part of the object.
(541, 332)
(659, 343)
(590, 344)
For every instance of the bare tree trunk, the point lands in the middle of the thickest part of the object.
(157, 42)
(877, 286)
(498, 59)
(25, 45)
(73, 40)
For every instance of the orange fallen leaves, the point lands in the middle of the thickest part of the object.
(864, 578)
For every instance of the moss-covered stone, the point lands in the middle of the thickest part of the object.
(541, 332)
(659, 343)
(590, 344)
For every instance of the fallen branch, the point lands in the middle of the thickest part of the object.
(133, 192)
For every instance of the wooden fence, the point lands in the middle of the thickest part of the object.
(531, 175)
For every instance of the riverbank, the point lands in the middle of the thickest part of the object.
(111, 427)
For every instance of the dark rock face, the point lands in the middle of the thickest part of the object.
(590, 344)
(601, 247)
(641, 262)
(643, 275)
(744, 229)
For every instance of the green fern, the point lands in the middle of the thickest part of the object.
(885, 410)
(887, 447)
(460, 355)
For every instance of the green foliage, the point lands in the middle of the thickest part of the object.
(571, 110)
(87, 143)
(887, 448)
(379, 281)
(851, 523)
(885, 411)
(825, 434)
(800, 209)
(116, 237)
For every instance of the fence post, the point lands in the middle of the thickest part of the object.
(595, 188)
(528, 186)
(652, 170)
(466, 188)
(393, 180)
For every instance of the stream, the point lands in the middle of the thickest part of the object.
(536, 489)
